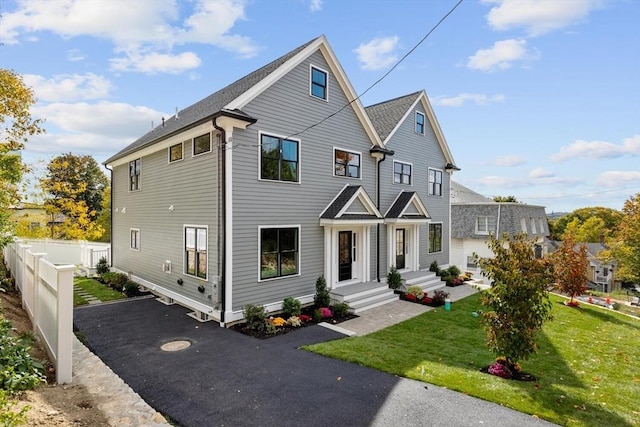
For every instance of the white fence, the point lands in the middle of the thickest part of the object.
(43, 270)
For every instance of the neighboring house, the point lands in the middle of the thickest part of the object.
(249, 195)
(601, 275)
(475, 217)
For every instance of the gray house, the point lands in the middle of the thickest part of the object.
(475, 217)
(249, 195)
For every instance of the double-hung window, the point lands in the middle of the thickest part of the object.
(202, 144)
(195, 247)
(134, 174)
(435, 238)
(279, 252)
(347, 163)
(318, 83)
(419, 122)
(134, 239)
(279, 159)
(401, 173)
(435, 182)
(482, 225)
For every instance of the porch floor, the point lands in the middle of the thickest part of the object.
(364, 296)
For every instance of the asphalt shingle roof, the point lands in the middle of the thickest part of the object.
(386, 115)
(206, 107)
(401, 202)
(340, 202)
(462, 194)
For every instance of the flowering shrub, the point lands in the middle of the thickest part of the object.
(416, 291)
(410, 297)
(439, 296)
(325, 312)
(279, 321)
(304, 318)
(294, 321)
(500, 370)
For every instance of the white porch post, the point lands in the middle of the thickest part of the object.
(366, 254)
(391, 246)
(416, 247)
(328, 256)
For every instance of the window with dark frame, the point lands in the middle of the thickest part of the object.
(175, 152)
(435, 238)
(195, 241)
(279, 159)
(202, 144)
(135, 239)
(401, 173)
(347, 164)
(318, 83)
(435, 182)
(278, 252)
(134, 174)
(419, 123)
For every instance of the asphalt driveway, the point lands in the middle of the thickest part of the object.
(225, 378)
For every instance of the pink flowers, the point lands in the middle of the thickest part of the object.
(500, 370)
(326, 312)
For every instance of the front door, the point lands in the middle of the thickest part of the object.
(345, 261)
(400, 249)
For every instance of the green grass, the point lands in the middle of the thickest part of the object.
(95, 288)
(587, 364)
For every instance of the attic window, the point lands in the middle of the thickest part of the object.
(419, 123)
(318, 83)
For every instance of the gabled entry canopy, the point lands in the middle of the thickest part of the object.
(351, 206)
(408, 209)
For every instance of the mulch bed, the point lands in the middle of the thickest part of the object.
(514, 375)
(281, 330)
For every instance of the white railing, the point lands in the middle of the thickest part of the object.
(43, 271)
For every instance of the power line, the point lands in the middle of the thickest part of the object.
(579, 195)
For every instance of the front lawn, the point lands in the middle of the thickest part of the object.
(587, 365)
(95, 288)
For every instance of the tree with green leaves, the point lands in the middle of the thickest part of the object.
(74, 187)
(587, 225)
(517, 304)
(16, 126)
(505, 199)
(570, 265)
(625, 242)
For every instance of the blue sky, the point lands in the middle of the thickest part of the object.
(539, 99)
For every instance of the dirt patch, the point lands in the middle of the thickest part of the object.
(51, 404)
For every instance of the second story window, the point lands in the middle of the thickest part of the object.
(279, 159)
(318, 83)
(134, 175)
(401, 173)
(419, 122)
(347, 164)
(175, 153)
(202, 144)
(435, 182)
(482, 225)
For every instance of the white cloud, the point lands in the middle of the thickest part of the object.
(612, 179)
(75, 55)
(69, 87)
(598, 149)
(518, 182)
(476, 98)
(541, 173)
(501, 55)
(538, 17)
(378, 53)
(511, 160)
(153, 63)
(137, 29)
(316, 5)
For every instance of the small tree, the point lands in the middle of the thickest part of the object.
(570, 265)
(322, 297)
(394, 279)
(518, 302)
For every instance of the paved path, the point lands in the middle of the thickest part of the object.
(90, 298)
(226, 378)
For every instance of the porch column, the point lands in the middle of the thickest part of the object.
(328, 256)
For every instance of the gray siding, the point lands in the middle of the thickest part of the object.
(463, 218)
(190, 186)
(422, 152)
(284, 109)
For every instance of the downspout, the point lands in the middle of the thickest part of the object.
(384, 157)
(222, 218)
(111, 209)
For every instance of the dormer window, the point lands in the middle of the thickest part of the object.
(419, 123)
(319, 83)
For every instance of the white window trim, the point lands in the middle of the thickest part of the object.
(278, 181)
(311, 67)
(348, 151)
(169, 153)
(266, 227)
(193, 145)
(184, 249)
(534, 229)
(424, 123)
(393, 173)
(486, 224)
(429, 183)
(523, 225)
(441, 237)
(131, 231)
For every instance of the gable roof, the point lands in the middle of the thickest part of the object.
(387, 117)
(235, 96)
(338, 208)
(404, 200)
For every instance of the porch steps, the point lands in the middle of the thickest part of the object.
(426, 279)
(364, 296)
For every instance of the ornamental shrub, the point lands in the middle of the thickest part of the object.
(255, 316)
(291, 307)
(294, 321)
(131, 289)
(416, 291)
(102, 266)
(434, 267)
(394, 279)
(439, 296)
(341, 310)
(322, 297)
(453, 271)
